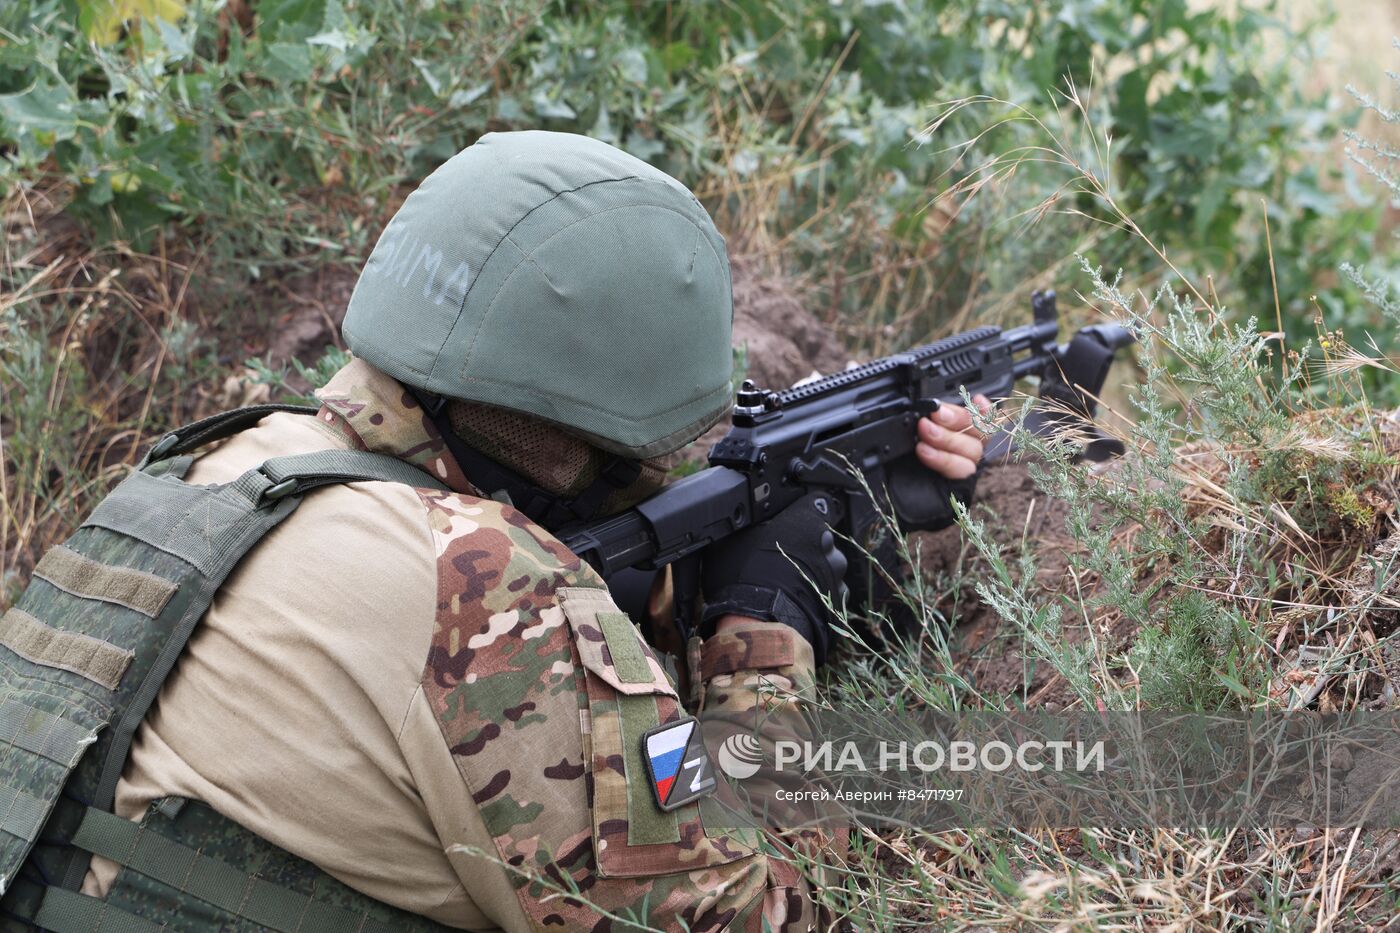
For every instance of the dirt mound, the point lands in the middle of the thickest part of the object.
(782, 342)
(778, 340)
(312, 306)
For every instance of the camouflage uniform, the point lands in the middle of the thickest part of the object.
(532, 794)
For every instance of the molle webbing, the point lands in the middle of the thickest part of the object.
(69, 910)
(177, 858)
(101, 662)
(86, 649)
(43, 734)
(73, 573)
(24, 814)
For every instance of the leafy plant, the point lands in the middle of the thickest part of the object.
(281, 134)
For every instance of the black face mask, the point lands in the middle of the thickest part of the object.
(554, 477)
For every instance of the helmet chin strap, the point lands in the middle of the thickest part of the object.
(544, 508)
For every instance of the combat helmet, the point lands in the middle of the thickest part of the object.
(554, 276)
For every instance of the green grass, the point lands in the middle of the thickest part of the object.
(279, 136)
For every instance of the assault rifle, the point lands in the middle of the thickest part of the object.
(819, 435)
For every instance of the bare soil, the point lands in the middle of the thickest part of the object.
(1018, 517)
(316, 307)
(783, 342)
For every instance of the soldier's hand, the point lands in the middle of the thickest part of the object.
(949, 447)
(948, 444)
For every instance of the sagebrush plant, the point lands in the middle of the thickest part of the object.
(1076, 877)
(1253, 477)
(280, 384)
(1168, 581)
(1379, 158)
(1227, 514)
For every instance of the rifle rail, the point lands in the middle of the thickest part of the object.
(886, 364)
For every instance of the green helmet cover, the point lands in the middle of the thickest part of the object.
(556, 276)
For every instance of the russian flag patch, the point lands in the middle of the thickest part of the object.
(678, 764)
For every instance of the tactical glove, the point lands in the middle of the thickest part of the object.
(921, 498)
(778, 570)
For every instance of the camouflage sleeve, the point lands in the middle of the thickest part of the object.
(755, 678)
(541, 691)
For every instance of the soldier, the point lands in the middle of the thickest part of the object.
(412, 687)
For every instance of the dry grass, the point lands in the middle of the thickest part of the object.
(1158, 880)
(1329, 640)
(102, 350)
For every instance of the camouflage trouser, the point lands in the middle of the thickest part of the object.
(542, 696)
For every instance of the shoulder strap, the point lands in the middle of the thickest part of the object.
(215, 428)
(290, 475)
(298, 473)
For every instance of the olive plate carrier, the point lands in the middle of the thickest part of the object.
(85, 651)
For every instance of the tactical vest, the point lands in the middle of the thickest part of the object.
(83, 654)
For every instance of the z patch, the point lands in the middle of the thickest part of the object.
(679, 765)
